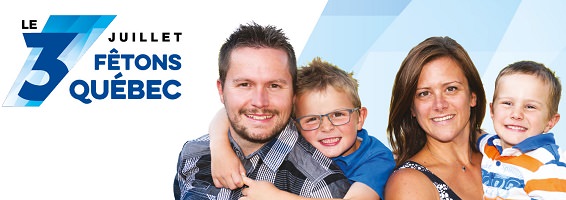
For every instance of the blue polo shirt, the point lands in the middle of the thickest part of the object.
(371, 164)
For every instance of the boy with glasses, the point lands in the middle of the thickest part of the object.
(329, 116)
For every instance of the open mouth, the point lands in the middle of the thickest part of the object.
(330, 140)
(439, 119)
(259, 117)
(517, 128)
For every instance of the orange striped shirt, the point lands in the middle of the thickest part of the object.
(532, 169)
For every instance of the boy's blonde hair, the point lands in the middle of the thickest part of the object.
(540, 71)
(319, 74)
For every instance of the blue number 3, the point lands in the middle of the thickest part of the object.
(53, 45)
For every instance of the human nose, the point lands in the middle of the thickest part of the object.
(517, 113)
(440, 102)
(326, 125)
(260, 98)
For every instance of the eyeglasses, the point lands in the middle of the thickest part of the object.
(336, 118)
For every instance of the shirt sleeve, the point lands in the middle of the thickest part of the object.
(333, 186)
(375, 171)
(549, 180)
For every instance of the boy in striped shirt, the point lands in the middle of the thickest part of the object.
(523, 161)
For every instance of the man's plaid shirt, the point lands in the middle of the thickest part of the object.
(288, 161)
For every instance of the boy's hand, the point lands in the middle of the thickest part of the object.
(259, 190)
(227, 171)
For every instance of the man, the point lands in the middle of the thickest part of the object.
(257, 68)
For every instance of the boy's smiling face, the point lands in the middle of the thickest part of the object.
(521, 108)
(332, 141)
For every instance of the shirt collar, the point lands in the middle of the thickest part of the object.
(535, 142)
(274, 152)
(526, 145)
(357, 155)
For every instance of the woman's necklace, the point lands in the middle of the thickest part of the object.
(440, 158)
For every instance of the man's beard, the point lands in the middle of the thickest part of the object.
(244, 133)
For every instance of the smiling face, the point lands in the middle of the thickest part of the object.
(257, 94)
(443, 100)
(520, 108)
(332, 141)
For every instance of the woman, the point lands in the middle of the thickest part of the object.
(434, 139)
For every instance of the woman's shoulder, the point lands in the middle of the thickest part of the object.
(408, 182)
(410, 171)
(408, 175)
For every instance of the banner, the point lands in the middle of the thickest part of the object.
(101, 96)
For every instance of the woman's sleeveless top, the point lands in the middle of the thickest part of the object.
(443, 190)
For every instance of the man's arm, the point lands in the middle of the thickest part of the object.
(266, 190)
(193, 170)
(337, 185)
(176, 188)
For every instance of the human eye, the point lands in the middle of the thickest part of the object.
(507, 103)
(451, 89)
(530, 107)
(243, 84)
(339, 114)
(273, 85)
(423, 93)
(310, 119)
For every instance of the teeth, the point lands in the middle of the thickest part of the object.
(260, 117)
(330, 140)
(442, 118)
(516, 128)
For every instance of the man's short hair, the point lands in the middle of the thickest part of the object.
(257, 36)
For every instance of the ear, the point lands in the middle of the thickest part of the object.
(552, 121)
(220, 90)
(294, 110)
(363, 113)
(294, 100)
(491, 109)
(473, 100)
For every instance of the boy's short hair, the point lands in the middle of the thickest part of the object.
(319, 74)
(540, 71)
